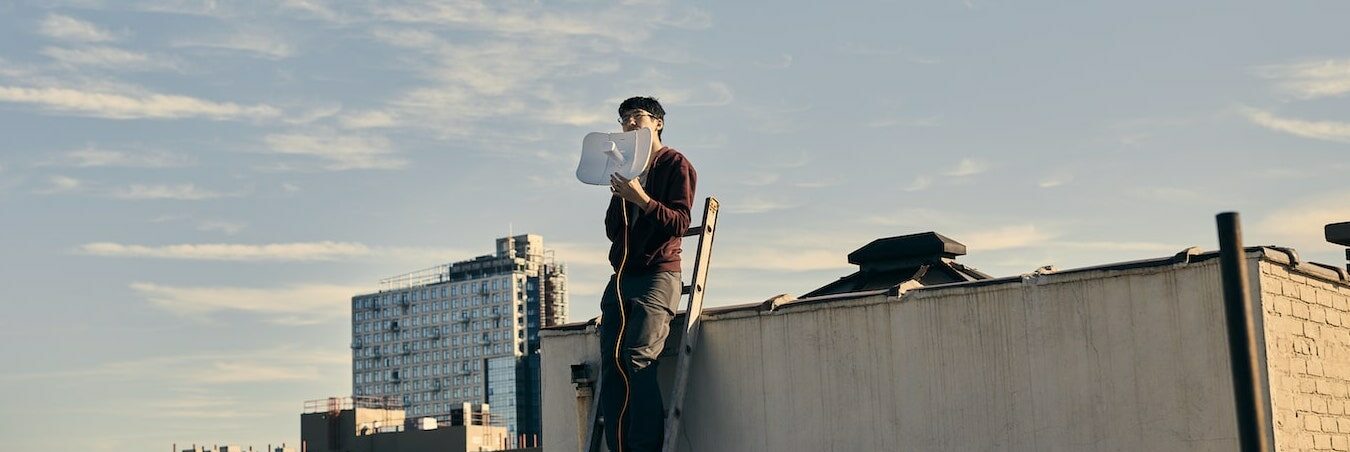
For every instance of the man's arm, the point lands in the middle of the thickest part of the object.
(672, 215)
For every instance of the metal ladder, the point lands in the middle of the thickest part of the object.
(685, 354)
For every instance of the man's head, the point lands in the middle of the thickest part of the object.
(638, 112)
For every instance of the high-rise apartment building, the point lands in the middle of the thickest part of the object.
(462, 332)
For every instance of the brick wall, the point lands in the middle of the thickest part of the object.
(1307, 323)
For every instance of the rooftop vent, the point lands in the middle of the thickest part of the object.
(927, 258)
(1339, 233)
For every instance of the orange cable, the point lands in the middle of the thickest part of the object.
(623, 324)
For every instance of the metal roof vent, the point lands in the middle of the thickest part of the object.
(905, 251)
(1339, 233)
(927, 258)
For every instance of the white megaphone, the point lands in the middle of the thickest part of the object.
(603, 154)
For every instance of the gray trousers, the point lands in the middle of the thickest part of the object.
(648, 305)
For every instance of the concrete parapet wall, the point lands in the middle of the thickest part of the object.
(1112, 359)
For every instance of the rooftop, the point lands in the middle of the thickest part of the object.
(936, 270)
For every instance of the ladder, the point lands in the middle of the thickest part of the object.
(685, 354)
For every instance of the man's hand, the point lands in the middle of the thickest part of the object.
(630, 190)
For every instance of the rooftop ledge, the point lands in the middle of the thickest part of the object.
(1287, 257)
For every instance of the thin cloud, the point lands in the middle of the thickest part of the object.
(1006, 237)
(1300, 224)
(587, 266)
(124, 106)
(958, 227)
(922, 219)
(709, 94)
(299, 304)
(68, 28)
(1170, 194)
(93, 157)
(225, 227)
(61, 184)
(757, 204)
(872, 50)
(1318, 130)
(252, 43)
(504, 19)
(581, 254)
(369, 120)
(202, 405)
(968, 167)
(314, 114)
(105, 57)
(1119, 246)
(512, 61)
(196, 367)
(169, 218)
(920, 183)
(818, 183)
(300, 251)
(759, 179)
(219, 373)
(792, 250)
(1055, 180)
(341, 152)
(887, 122)
(409, 38)
(218, 10)
(182, 192)
(272, 252)
(199, 406)
(317, 9)
(689, 18)
(783, 61)
(1311, 80)
(673, 91)
(784, 259)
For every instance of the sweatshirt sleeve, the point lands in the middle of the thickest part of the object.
(613, 219)
(672, 215)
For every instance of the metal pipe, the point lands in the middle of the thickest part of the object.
(1249, 402)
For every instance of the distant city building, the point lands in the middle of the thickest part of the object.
(236, 448)
(350, 424)
(463, 332)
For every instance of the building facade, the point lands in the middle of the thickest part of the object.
(351, 424)
(1125, 356)
(462, 332)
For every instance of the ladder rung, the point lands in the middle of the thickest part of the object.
(685, 289)
(693, 231)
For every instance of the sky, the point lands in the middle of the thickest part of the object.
(192, 191)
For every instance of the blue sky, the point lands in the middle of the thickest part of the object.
(190, 192)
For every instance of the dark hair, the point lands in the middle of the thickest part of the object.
(648, 104)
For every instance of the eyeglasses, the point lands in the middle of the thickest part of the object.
(634, 116)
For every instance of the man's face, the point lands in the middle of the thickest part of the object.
(636, 119)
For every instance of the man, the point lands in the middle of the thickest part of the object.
(646, 220)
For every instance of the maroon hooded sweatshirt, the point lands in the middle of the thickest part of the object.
(654, 237)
